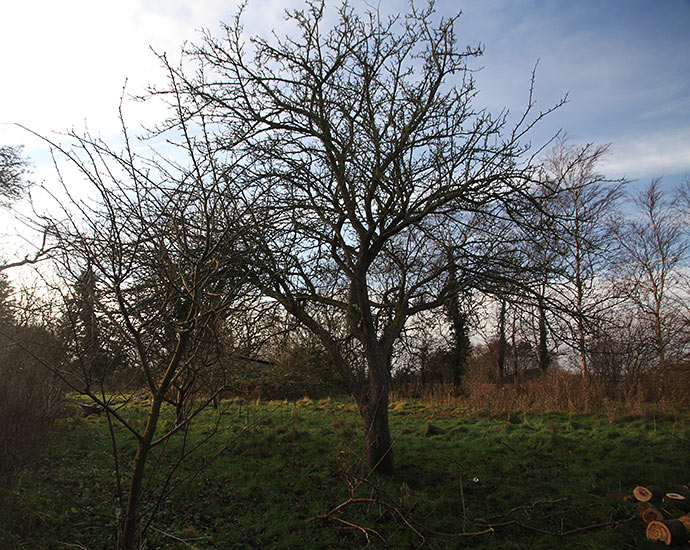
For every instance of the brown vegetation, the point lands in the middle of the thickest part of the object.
(556, 390)
(30, 399)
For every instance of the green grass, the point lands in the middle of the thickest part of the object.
(523, 475)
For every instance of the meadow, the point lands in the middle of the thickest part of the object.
(284, 474)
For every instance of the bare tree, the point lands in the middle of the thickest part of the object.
(14, 186)
(153, 258)
(379, 178)
(13, 168)
(655, 247)
(579, 239)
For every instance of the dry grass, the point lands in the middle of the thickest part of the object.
(556, 391)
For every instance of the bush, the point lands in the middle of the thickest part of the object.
(30, 396)
(297, 370)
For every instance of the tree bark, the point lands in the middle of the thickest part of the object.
(502, 344)
(377, 431)
(543, 356)
(130, 524)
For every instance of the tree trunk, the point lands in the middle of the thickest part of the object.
(130, 524)
(378, 435)
(543, 350)
(501, 359)
(374, 409)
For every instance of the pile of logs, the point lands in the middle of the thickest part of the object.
(667, 515)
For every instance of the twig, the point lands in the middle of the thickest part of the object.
(562, 533)
(463, 534)
(330, 515)
(178, 539)
(519, 508)
(462, 499)
(365, 530)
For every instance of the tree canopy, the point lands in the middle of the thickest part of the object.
(378, 177)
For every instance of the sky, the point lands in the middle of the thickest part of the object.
(624, 64)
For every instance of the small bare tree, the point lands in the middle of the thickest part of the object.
(153, 260)
(654, 249)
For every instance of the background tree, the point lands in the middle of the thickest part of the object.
(7, 302)
(654, 249)
(13, 168)
(14, 186)
(583, 205)
(376, 174)
(457, 308)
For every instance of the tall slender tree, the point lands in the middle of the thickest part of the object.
(654, 248)
(582, 206)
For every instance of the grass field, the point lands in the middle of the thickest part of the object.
(462, 480)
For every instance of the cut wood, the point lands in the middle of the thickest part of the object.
(685, 520)
(648, 512)
(651, 494)
(670, 532)
(678, 500)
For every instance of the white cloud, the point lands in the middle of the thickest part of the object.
(650, 155)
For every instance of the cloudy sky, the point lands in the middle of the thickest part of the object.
(625, 65)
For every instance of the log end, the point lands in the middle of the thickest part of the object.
(653, 495)
(647, 512)
(670, 532)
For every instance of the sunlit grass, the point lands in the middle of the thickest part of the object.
(274, 465)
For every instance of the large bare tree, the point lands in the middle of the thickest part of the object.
(379, 178)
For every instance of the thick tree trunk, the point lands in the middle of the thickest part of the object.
(378, 435)
(374, 409)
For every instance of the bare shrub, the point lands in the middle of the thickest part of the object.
(297, 369)
(30, 397)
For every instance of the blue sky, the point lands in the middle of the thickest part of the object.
(625, 65)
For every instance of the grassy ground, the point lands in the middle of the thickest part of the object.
(523, 480)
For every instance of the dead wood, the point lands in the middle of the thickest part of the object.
(651, 494)
(648, 512)
(670, 532)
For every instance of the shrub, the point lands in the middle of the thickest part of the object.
(297, 370)
(30, 396)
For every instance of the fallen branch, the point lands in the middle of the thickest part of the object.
(563, 533)
(331, 516)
